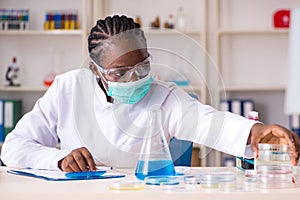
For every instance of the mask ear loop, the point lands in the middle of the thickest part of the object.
(98, 74)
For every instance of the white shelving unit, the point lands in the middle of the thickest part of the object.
(252, 55)
(70, 47)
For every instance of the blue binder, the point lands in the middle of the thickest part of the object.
(2, 131)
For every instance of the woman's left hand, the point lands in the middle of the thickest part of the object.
(274, 134)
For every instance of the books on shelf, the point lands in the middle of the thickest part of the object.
(294, 121)
(237, 106)
(10, 113)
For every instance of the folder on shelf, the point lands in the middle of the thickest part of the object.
(2, 132)
(294, 121)
(236, 106)
(247, 106)
(225, 105)
(12, 114)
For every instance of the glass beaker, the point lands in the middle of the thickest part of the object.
(155, 158)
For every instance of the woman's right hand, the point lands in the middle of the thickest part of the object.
(78, 160)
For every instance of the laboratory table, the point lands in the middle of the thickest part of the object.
(22, 187)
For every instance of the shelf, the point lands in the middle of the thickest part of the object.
(43, 32)
(253, 88)
(161, 31)
(253, 32)
(23, 89)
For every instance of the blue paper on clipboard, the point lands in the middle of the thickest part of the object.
(63, 176)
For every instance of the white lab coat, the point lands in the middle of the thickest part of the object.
(75, 112)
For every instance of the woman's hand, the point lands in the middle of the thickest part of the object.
(78, 160)
(274, 134)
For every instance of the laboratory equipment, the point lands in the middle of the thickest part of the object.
(274, 176)
(155, 158)
(245, 163)
(274, 167)
(12, 72)
(162, 180)
(180, 19)
(218, 179)
(49, 78)
(270, 154)
(127, 185)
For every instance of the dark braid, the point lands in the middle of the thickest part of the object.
(109, 27)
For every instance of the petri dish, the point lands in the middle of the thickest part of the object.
(127, 185)
(192, 180)
(218, 179)
(274, 153)
(274, 176)
(162, 180)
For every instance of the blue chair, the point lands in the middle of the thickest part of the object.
(181, 152)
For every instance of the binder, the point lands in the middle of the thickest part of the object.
(225, 105)
(294, 121)
(12, 114)
(236, 106)
(2, 132)
(247, 106)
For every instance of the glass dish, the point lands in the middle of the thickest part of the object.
(218, 179)
(162, 180)
(127, 185)
(274, 176)
(274, 153)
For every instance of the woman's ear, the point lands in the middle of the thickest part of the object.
(94, 69)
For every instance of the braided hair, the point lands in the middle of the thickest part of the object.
(109, 27)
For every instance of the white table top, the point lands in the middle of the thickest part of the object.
(22, 187)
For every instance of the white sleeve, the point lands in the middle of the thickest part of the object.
(32, 144)
(191, 120)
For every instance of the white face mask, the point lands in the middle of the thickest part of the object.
(129, 92)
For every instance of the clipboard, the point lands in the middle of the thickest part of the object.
(61, 176)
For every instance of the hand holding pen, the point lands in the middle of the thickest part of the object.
(78, 160)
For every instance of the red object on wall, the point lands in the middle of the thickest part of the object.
(282, 18)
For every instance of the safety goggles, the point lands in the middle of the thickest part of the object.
(127, 73)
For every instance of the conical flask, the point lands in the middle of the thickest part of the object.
(155, 158)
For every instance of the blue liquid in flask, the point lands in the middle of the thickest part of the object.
(154, 168)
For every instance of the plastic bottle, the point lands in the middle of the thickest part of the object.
(244, 163)
(155, 158)
(49, 78)
(180, 19)
(47, 22)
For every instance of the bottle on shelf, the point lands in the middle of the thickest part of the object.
(138, 20)
(180, 19)
(49, 78)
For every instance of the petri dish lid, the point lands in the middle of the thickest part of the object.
(274, 147)
(127, 185)
(192, 179)
(218, 177)
(162, 180)
(274, 169)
